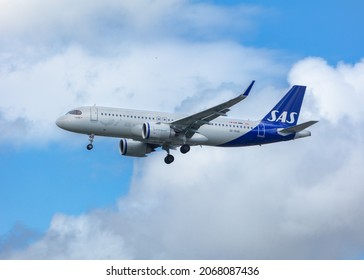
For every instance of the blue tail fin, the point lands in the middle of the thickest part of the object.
(286, 112)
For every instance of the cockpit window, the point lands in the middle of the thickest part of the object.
(75, 112)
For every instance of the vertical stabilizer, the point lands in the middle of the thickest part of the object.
(287, 110)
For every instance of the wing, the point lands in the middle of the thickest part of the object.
(189, 125)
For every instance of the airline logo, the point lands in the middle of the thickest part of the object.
(276, 116)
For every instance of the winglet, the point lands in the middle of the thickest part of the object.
(246, 93)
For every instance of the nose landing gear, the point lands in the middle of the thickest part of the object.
(91, 139)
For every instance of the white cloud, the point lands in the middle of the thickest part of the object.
(70, 238)
(299, 199)
(338, 91)
(281, 201)
(288, 200)
(99, 25)
(156, 77)
(57, 56)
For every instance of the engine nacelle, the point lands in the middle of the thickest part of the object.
(156, 131)
(134, 148)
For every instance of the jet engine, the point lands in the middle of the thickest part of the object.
(157, 131)
(134, 148)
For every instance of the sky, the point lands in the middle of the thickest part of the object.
(296, 200)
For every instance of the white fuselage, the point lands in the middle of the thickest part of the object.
(126, 123)
(141, 132)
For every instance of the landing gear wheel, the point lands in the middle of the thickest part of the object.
(185, 148)
(91, 139)
(169, 159)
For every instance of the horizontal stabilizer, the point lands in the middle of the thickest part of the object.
(296, 128)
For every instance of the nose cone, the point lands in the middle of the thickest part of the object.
(61, 122)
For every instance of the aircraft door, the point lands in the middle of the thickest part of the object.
(94, 113)
(261, 130)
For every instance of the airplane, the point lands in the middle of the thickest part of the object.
(142, 132)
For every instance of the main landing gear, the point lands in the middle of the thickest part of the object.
(169, 159)
(91, 139)
(185, 148)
